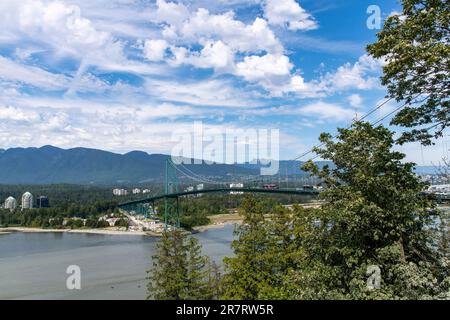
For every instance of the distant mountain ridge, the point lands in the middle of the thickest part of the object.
(50, 164)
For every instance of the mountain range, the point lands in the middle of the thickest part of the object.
(48, 164)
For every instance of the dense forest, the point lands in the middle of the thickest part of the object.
(67, 216)
(70, 203)
(69, 206)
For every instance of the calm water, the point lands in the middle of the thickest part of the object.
(33, 265)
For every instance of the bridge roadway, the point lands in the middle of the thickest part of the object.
(246, 190)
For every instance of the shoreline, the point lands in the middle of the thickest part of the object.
(196, 229)
(9, 230)
(220, 221)
(217, 222)
(213, 226)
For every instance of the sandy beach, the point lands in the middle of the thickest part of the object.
(220, 221)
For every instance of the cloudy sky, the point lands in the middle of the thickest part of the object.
(122, 75)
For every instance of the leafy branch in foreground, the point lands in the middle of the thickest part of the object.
(415, 45)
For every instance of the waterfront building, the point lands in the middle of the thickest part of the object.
(136, 191)
(42, 202)
(11, 203)
(120, 192)
(27, 200)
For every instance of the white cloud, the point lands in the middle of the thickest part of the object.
(261, 57)
(57, 24)
(170, 12)
(215, 54)
(110, 127)
(269, 66)
(201, 26)
(61, 30)
(204, 93)
(154, 50)
(355, 100)
(274, 73)
(288, 13)
(356, 76)
(298, 86)
(19, 73)
(10, 113)
(310, 114)
(224, 38)
(31, 75)
(327, 111)
(239, 36)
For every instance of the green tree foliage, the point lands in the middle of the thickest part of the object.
(195, 210)
(265, 253)
(55, 216)
(180, 271)
(373, 215)
(415, 45)
(122, 223)
(249, 269)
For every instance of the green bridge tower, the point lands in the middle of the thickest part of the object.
(171, 204)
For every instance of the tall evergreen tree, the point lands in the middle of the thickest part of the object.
(180, 271)
(248, 270)
(168, 276)
(197, 287)
(263, 253)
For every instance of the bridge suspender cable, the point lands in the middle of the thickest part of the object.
(196, 177)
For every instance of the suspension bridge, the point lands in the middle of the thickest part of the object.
(173, 192)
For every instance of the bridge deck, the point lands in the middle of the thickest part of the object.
(246, 190)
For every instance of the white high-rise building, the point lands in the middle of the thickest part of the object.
(27, 200)
(120, 192)
(136, 191)
(10, 203)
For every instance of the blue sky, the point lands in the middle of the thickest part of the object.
(122, 75)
